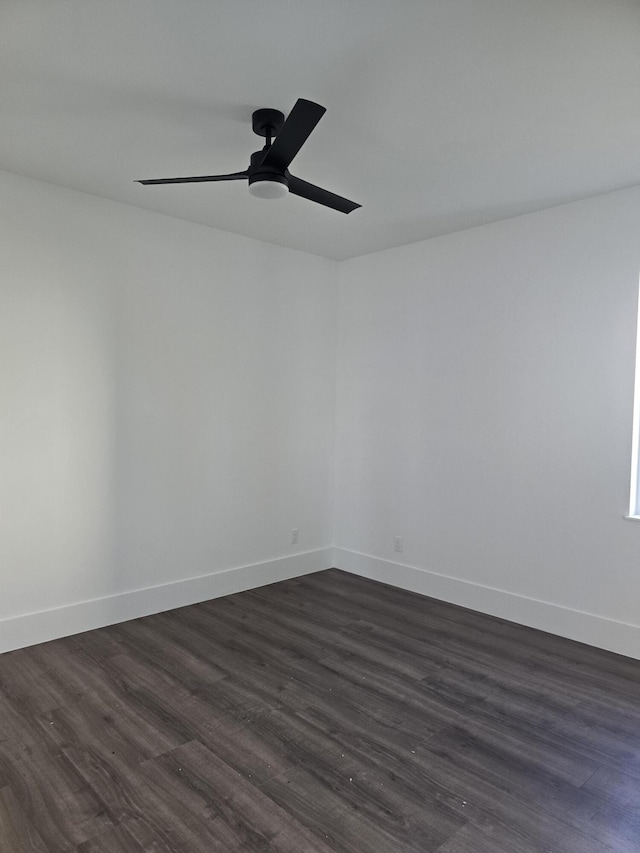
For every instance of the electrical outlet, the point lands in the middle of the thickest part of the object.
(294, 536)
(397, 543)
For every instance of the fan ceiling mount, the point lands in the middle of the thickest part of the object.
(268, 174)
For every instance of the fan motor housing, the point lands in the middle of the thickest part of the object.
(258, 172)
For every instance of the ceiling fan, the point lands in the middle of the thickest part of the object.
(268, 173)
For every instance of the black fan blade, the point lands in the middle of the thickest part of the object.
(314, 193)
(304, 116)
(234, 176)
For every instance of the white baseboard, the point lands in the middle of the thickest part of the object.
(27, 630)
(589, 628)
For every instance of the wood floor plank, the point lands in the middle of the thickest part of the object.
(497, 839)
(265, 672)
(613, 785)
(486, 801)
(307, 634)
(25, 683)
(18, 834)
(239, 814)
(118, 840)
(56, 800)
(325, 713)
(97, 644)
(598, 738)
(422, 707)
(358, 812)
(14, 720)
(575, 810)
(482, 798)
(149, 833)
(617, 826)
(119, 730)
(150, 814)
(267, 745)
(551, 755)
(144, 642)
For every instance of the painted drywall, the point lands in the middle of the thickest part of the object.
(166, 401)
(168, 413)
(484, 410)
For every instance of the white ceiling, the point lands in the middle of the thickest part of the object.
(441, 114)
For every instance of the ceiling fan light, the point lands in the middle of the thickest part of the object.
(271, 187)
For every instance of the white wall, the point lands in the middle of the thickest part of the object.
(166, 407)
(167, 413)
(485, 384)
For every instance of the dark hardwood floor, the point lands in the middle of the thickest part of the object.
(326, 713)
